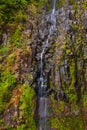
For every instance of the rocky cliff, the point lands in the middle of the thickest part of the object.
(65, 66)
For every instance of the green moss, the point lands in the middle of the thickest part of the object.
(51, 84)
(84, 5)
(57, 124)
(1, 121)
(57, 107)
(85, 58)
(70, 91)
(62, 106)
(16, 38)
(27, 107)
(4, 50)
(84, 98)
(68, 123)
(54, 104)
(22, 127)
(61, 3)
(39, 2)
(6, 85)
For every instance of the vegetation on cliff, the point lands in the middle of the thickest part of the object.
(18, 23)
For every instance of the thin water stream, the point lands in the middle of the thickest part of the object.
(42, 111)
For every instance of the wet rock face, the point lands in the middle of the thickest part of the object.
(54, 61)
(52, 51)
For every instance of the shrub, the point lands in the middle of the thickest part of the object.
(27, 107)
(7, 84)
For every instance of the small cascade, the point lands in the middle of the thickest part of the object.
(42, 110)
(51, 31)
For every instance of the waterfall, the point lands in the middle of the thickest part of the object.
(51, 31)
(42, 112)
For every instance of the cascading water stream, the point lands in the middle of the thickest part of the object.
(51, 30)
(42, 87)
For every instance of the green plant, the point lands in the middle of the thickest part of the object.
(4, 50)
(6, 85)
(16, 38)
(68, 123)
(27, 107)
(22, 127)
(1, 121)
